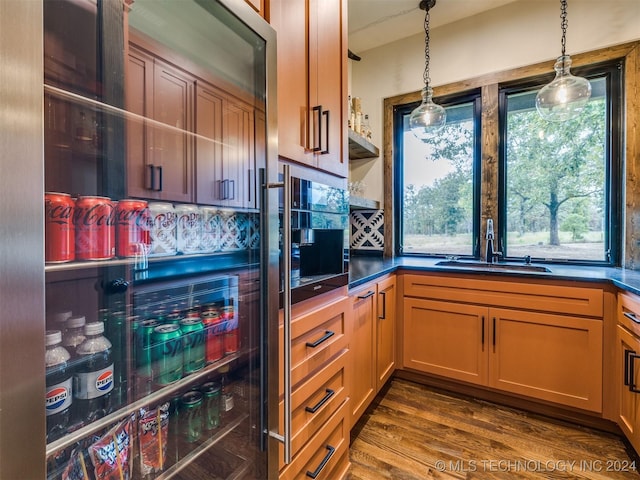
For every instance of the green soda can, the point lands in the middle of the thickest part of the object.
(173, 318)
(143, 347)
(211, 402)
(191, 415)
(193, 344)
(166, 354)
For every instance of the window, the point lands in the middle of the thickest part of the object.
(559, 195)
(437, 182)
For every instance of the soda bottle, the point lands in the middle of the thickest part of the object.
(58, 397)
(93, 376)
(74, 334)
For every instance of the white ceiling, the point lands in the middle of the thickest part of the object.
(376, 22)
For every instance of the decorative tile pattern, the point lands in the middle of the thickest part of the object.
(367, 230)
(253, 232)
(234, 231)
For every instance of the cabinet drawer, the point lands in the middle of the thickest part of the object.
(629, 311)
(324, 454)
(514, 294)
(314, 402)
(316, 337)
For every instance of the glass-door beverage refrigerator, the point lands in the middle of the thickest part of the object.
(139, 251)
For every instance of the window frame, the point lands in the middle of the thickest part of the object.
(613, 71)
(399, 111)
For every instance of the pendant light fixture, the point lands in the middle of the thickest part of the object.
(428, 117)
(565, 97)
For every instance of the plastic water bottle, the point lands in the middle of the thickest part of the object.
(59, 396)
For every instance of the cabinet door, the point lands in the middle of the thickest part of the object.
(290, 20)
(138, 95)
(208, 155)
(363, 346)
(550, 357)
(629, 403)
(172, 141)
(238, 153)
(447, 339)
(385, 331)
(327, 62)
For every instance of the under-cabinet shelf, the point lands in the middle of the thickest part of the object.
(360, 147)
(359, 203)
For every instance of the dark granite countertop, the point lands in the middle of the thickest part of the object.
(363, 269)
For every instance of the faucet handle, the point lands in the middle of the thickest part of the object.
(527, 259)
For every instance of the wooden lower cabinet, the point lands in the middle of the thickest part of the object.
(326, 455)
(362, 346)
(446, 339)
(556, 358)
(385, 330)
(320, 383)
(541, 355)
(372, 341)
(627, 377)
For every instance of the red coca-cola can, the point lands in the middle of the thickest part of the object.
(231, 341)
(59, 231)
(94, 219)
(133, 228)
(214, 335)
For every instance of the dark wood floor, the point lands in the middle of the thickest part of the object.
(415, 432)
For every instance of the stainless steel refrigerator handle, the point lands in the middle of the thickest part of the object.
(286, 297)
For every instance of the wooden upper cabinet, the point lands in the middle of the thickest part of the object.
(239, 154)
(208, 143)
(160, 151)
(312, 55)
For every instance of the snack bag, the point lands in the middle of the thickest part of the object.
(111, 454)
(152, 435)
(76, 468)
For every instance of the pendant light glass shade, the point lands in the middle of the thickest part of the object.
(565, 97)
(428, 117)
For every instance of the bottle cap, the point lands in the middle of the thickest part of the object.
(77, 321)
(53, 337)
(94, 328)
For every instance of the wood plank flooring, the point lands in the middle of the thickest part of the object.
(416, 432)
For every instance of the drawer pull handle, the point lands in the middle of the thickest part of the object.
(632, 317)
(630, 357)
(366, 295)
(324, 461)
(327, 335)
(384, 306)
(330, 393)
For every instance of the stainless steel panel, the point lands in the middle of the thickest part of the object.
(22, 382)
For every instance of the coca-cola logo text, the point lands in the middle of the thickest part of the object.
(139, 217)
(99, 214)
(57, 213)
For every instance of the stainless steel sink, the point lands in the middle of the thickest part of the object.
(476, 265)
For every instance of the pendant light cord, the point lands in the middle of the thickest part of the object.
(425, 76)
(563, 24)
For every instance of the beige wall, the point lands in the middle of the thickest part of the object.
(519, 34)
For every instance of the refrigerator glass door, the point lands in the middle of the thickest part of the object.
(155, 128)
